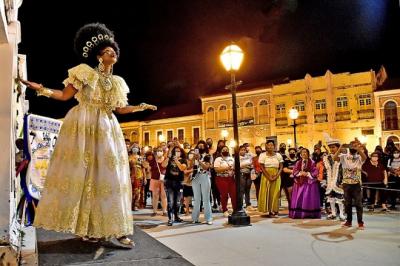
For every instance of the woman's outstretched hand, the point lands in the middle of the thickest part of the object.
(146, 106)
(32, 85)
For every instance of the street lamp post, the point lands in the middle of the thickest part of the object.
(232, 57)
(294, 114)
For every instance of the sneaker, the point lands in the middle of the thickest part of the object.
(342, 218)
(209, 222)
(226, 214)
(195, 222)
(361, 226)
(169, 223)
(346, 224)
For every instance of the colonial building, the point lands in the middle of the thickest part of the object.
(343, 105)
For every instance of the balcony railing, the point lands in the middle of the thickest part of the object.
(391, 124)
(321, 118)
(366, 114)
(343, 116)
(281, 121)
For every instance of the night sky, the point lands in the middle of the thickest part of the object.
(170, 49)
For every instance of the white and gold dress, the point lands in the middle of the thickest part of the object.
(88, 189)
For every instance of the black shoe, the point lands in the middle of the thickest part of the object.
(178, 220)
(169, 223)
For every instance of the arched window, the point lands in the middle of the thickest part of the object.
(223, 114)
(210, 121)
(248, 111)
(239, 113)
(391, 121)
(263, 117)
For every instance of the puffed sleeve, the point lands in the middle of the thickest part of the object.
(81, 76)
(122, 90)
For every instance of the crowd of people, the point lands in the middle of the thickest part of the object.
(182, 179)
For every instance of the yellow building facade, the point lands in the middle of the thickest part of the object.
(344, 105)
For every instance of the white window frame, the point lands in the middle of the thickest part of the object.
(341, 100)
(320, 104)
(177, 133)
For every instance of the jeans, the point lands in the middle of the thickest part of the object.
(201, 190)
(245, 185)
(353, 191)
(173, 189)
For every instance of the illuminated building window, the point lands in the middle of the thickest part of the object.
(181, 135)
(300, 106)
(263, 112)
(146, 138)
(210, 117)
(280, 108)
(248, 111)
(223, 114)
(341, 102)
(364, 99)
(196, 135)
(170, 135)
(320, 104)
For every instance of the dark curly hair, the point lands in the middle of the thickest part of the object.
(90, 33)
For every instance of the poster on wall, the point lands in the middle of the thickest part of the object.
(42, 133)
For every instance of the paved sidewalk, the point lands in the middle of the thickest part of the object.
(65, 249)
(280, 241)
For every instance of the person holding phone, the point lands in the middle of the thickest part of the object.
(173, 183)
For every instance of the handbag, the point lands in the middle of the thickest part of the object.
(162, 176)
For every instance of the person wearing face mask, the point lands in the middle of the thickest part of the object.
(174, 176)
(201, 183)
(352, 164)
(187, 182)
(138, 175)
(394, 178)
(257, 169)
(287, 174)
(158, 163)
(376, 177)
(224, 167)
(334, 174)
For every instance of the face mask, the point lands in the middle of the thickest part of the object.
(396, 155)
(374, 159)
(178, 154)
(292, 156)
(135, 150)
(191, 156)
(159, 153)
(225, 153)
(258, 152)
(201, 150)
(352, 151)
(282, 149)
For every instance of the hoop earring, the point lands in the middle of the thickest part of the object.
(101, 65)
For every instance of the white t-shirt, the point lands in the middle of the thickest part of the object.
(270, 161)
(224, 162)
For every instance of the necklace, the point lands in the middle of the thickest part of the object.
(105, 80)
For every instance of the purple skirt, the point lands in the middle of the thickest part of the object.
(305, 200)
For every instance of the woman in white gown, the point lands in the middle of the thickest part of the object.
(88, 189)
